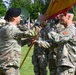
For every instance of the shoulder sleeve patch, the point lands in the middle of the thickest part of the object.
(65, 33)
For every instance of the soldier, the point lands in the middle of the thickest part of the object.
(41, 52)
(10, 43)
(66, 50)
(57, 27)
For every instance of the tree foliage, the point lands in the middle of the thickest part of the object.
(74, 9)
(33, 8)
(2, 9)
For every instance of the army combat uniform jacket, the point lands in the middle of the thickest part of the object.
(10, 45)
(66, 54)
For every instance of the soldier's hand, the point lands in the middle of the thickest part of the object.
(43, 44)
(33, 41)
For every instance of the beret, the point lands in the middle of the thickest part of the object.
(71, 11)
(12, 12)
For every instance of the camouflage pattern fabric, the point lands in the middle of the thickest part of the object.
(22, 27)
(12, 70)
(53, 46)
(67, 46)
(52, 60)
(40, 54)
(46, 46)
(40, 61)
(10, 45)
(65, 70)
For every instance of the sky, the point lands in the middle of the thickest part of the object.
(32, 1)
(42, 0)
(7, 3)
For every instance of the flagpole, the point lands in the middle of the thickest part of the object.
(26, 55)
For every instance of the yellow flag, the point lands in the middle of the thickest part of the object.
(58, 6)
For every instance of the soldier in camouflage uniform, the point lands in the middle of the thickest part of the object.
(40, 53)
(57, 27)
(66, 40)
(10, 43)
(50, 53)
(43, 51)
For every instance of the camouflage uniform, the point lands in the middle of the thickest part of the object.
(66, 57)
(49, 53)
(41, 53)
(22, 27)
(10, 48)
(52, 55)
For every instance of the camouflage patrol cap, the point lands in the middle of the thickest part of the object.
(12, 12)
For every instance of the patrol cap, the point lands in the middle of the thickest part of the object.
(12, 12)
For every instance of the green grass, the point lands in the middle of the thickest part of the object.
(27, 67)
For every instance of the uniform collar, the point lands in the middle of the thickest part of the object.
(12, 24)
(70, 25)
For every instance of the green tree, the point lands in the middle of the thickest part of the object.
(74, 9)
(32, 8)
(2, 9)
(35, 8)
(45, 6)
